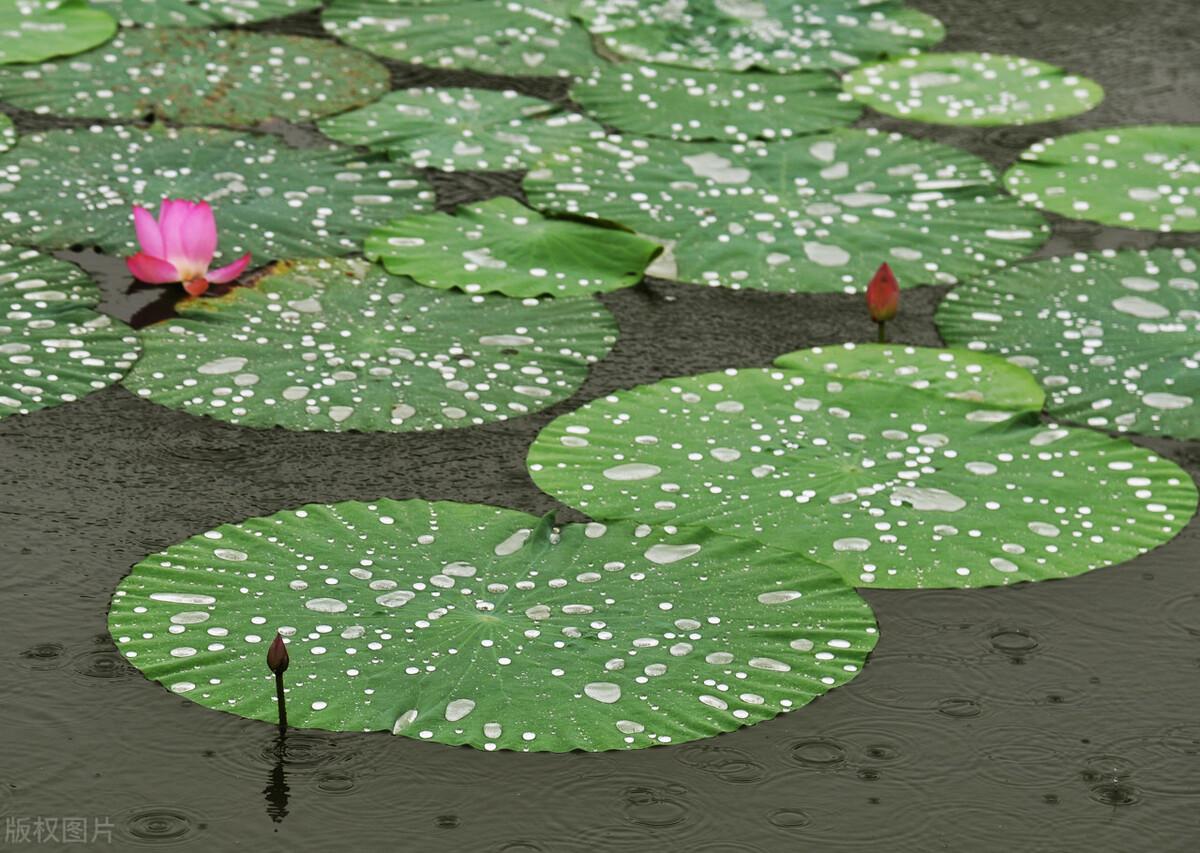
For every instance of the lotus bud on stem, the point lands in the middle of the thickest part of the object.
(277, 660)
(883, 298)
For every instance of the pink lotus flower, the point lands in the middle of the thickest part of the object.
(180, 246)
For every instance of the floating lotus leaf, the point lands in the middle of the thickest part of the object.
(811, 215)
(33, 30)
(689, 105)
(940, 372)
(774, 35)
(502, 246)
(336, 345)
(1130, 177)
(53, 347)
(469, 624)
(492, 36)
(972, 89)
(8, 133)
(200, 77)
(462, 129)
(926, 473)
(1113, 338)
(193, 13)
(76, 186)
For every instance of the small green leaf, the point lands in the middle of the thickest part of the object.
(77, 186)
(198, 13)
(462, 129)
(336, 345)
(54, 348)
(812, 215)
(33, 30)
(501, 246)
(220, 77)
(492, 36)
(690, 105)
(1112, 337)
(1129, 177)
(781, 36)
(927, 473)
(469, 624)
(972, 89)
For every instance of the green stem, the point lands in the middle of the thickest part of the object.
(883, 332)
(282, 701)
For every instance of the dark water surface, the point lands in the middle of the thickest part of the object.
(1049, 718)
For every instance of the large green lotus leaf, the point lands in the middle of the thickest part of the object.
(469, 624)
(1130, 177)
(501, 246)
(462, 129)
(33, 30)
(76, 186)
(492, 36)
(336, 345)
(1114, 337)
(955, 374)
(892, 485)
(8, 133)
(219, 77)
(781, 36)
(972, 89)
(192, 13)
(811, 215)
(690, 105)
(53, 347)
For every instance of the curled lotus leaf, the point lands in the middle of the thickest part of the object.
(897, 466)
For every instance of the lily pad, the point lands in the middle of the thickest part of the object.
(690, 105)
(812, 215)
(54, 348)
(491, 36)
(781, 36)
(336, 345)
(220, 77)
(193, 13)
(469, 624)
(462, 129)
(1130, 177)
(928, 472)
(953, 374)
(33, 30)
(1112, 337)
(77, 186)
(972, 89)
(501, 246)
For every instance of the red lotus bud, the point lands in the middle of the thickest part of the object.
(883, 295)
(277, 656)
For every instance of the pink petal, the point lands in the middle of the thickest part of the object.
(230, 272)
(200, 235)
(148, 235)
(170, 222)
(169, 204)
(151, 270)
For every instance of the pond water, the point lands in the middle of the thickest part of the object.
(1047, 718)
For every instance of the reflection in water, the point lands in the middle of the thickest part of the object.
(276, 792)
(123, 297)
